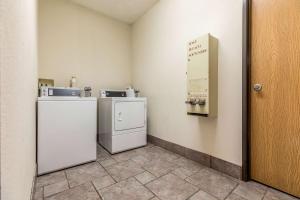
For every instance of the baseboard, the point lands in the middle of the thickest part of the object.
(202, 158)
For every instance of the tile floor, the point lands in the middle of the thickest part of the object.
(148, 173)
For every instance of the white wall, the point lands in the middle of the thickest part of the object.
(77, 41)
(18, 90)
(159, 65)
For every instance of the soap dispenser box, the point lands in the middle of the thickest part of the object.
(202, 76)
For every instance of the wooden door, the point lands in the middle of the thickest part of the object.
(275, 109)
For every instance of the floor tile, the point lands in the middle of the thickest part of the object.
(55, 188)
(124, 170)
(160, 153)
(145, 154)
(168, 175)
(154, 152)
(103, 182)
(142, 150)
(257, 185)
(149, 144)
(102, 154)
(201, 195)
(238, 181)
(82, 192)
(249, 191)
(50, 178)
(233, 196)
(213, 183)
(277, 195)
(171, 187)
(108, 162)
(85, 173)
(129, 189)
(141, 160)
(38, 193)
(124, 156)
(159, 167)
(145, 177)
(155, 198)
(190, 165)
(182, 172)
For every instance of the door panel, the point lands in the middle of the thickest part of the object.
(129, 115)
(275, 110)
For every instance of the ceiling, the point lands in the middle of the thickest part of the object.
(127, 11)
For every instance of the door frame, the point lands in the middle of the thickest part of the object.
(246, 66)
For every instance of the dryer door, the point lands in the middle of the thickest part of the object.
(129, 115)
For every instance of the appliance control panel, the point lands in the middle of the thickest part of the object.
(58, 91)
(112, 93)
(202, 76)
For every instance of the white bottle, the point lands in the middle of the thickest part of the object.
(130, 92)
(73, 81)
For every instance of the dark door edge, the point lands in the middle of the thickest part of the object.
(246, 92)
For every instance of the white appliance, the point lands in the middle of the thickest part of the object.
(67, 131)
(122, 122)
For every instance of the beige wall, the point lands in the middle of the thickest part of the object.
(159, 65)
(18, 90)
(99, 51)
(77, 41)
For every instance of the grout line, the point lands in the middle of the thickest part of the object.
(153, 179)
(60, 191)
(96, 190)
(67, 189)
(156, 178)
(231, 192)
(67, 179)
(110, 174)
(147, 182)
(194, 174)
(43, 192)
(197, 187)
(154, 195)
(139, 181)
(150, 190)
(265, 193)
(198, 190)
(107, 186)
(212, 194)
(48, 174)
(150, 173)
(107, 165)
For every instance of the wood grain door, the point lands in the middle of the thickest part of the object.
(275, 107)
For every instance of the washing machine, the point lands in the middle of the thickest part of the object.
(122, 121)
(66, 133)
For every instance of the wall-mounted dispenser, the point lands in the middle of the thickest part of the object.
(202, 76)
